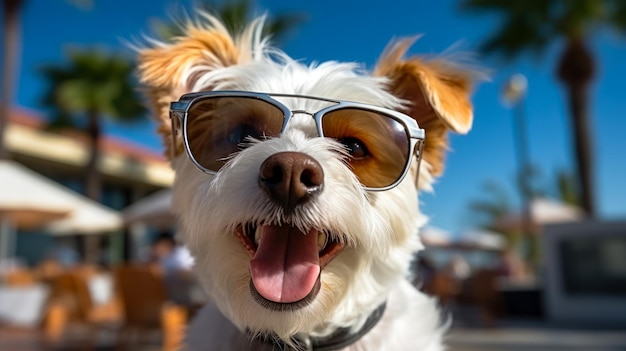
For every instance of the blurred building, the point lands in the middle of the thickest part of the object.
(129, 171)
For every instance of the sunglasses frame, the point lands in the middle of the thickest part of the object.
(179, 110)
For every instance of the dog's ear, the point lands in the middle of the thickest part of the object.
(436, 93)
(169, 70)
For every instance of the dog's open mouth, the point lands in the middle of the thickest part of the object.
(286, 263)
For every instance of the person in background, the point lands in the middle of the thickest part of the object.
(512, 266)
(65, 254)
(170, 256)
(176, 263)
(459, 269)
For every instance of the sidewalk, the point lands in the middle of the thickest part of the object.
(535, 339)
(510, 335)
(528, 334)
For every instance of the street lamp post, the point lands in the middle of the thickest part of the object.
(513, 94)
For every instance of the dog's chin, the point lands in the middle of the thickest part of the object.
(286, 263)
(285, 307)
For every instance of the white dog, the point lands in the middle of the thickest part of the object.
(296, 187)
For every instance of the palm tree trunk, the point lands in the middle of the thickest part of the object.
(576, 69)
(93, 181)
(578, 101)
(11, 26)
(92, 172)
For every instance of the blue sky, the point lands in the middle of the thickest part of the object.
(358, 31)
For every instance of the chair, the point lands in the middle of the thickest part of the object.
(143, 295)
(48, 270)
(482, 290)
(19, 277)
(71, 303)
(443, 286)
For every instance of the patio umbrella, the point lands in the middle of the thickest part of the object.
(432, 236)
(27, 200)
(543, 211)
(154, 210)
(89, 217)
(469, 240)
(481, 240)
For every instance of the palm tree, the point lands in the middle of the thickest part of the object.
(493, 205)
(92, 86)
(11, 26)
(12, 35)
(565, 184)
(235, 15)
(532, 25)
(495, 202)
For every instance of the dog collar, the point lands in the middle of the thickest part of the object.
(336, 341)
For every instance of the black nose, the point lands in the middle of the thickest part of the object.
(291, 178)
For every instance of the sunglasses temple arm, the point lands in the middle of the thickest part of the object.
(419, 149)
(174, 134)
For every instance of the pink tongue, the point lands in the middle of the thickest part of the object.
(286, 264)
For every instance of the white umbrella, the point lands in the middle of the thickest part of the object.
(28, 199)
(482, 240)
(543, 211)
(154, 210)
(89, 217)
(432, 236)
(470, 240)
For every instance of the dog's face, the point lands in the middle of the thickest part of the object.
(286, 237)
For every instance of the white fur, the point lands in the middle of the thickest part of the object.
(410, 322)
(379, 228)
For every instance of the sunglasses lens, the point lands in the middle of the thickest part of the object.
(218, 127)
(378, 144)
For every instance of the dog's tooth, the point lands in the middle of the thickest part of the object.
(322, 238)
(257, 234)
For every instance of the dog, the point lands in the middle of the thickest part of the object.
(297, 186)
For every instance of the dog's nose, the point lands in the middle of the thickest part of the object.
(291, 178)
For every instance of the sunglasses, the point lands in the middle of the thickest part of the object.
(217, 124)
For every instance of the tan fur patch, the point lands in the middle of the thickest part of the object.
(437, 93)
(163, 71)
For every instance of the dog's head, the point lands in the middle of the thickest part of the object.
(293, 232)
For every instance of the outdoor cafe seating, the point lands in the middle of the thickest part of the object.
(84, 306)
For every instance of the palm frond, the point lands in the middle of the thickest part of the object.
(493, 204)
(531, 25)
(617, 15)
(525, 25)
(235, 15)
(567, 188)
(95, 81)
